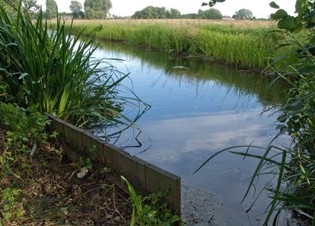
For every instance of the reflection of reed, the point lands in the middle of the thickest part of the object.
(132, 141)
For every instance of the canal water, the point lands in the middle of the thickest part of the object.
(198, 109)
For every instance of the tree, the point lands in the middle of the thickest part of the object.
(97, 9)
(76, 8)
(151, 12)
(29, 5)
(213, 14)
(174, 13)
(243, 14)
(51, 9)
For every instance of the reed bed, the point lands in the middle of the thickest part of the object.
(241, 43)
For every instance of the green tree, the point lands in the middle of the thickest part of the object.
(97, 9)
(29, 5)
(213, 14)
(174, 13)
(243, 14)
(51, 9)
(151, 12)
(76, 9)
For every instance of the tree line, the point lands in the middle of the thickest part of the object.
(151, 12)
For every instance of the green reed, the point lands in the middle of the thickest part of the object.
(249, 47)
(56, 73)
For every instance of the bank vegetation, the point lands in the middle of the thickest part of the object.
(242, 43)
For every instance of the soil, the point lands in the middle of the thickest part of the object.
(43, 189)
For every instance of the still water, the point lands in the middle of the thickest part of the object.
(196, 110)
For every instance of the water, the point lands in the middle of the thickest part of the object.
(196, 110)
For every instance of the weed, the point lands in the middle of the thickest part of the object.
(11, 205)
(22, 128)
(149, 210)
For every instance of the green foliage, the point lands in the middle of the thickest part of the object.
(233, 44)
(97, 9)
(149, 210)
(10, 205)
(212, 2)
(243, 14)
(22, 128)
(76, 9)
(56, 73)
(151, 12)
(213, 14)
(305, 17)
(29, 6)
(51, 9)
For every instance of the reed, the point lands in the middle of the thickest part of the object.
(50, 71)
(246, 43)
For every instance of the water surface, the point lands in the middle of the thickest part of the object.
(196, 110)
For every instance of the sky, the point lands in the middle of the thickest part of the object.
(260, 8)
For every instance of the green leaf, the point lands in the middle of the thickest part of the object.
(274, 5)
(300, 6)
(280, 14)
(289, 23)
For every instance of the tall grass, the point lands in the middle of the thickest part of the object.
(237, 43)
(56, 73)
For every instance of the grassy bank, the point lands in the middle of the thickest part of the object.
(248, 44)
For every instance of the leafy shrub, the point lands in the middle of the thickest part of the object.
(22, 128)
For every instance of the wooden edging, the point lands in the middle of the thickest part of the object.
(145, 178)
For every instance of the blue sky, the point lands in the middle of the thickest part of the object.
(260, 8)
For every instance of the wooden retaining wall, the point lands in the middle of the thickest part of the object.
(145, 178)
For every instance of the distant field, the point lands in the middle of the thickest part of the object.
(247, 24)
(240, 23)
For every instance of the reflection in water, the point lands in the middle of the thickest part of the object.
(196, 110)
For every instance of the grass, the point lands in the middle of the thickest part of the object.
(248, 44)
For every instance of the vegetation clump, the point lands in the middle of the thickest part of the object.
(244, 44)
(57, 73)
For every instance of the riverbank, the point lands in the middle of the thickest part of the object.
(244, 44)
